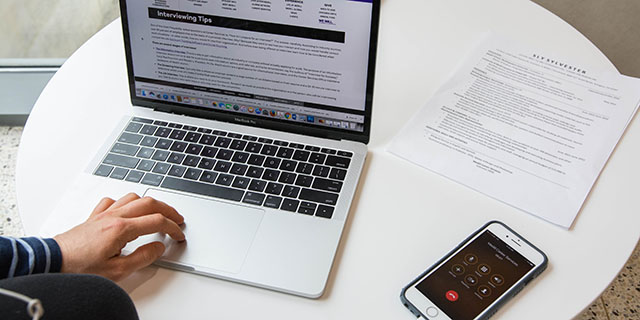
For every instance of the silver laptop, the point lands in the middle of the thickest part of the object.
(251, 118)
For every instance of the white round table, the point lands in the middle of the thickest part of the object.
(402, 221)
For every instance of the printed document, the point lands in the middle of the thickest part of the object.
(525, 127)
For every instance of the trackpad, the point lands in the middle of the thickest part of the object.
(218, 234)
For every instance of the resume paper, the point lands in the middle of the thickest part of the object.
(527, 128)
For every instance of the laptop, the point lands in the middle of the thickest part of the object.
(251, 118)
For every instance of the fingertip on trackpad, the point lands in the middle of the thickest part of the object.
(218, 234)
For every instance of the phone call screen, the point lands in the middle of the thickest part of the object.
(474, 277)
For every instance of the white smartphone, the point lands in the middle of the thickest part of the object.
(477, 277)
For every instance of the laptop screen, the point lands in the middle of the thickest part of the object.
(289, 64)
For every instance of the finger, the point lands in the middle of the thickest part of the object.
(140, 258)
(103, 205)
(148, 205)
(129, 197)
(152, 223)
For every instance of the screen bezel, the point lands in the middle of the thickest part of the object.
(267, 123)
(420, 302)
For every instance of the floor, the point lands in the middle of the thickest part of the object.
(612, 25)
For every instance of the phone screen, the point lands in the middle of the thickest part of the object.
(474, 277)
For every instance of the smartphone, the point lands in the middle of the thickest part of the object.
(477, 277)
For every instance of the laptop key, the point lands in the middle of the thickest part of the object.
(250, 138)
(345, 154)
(119, 173)
(224, 154)
(175, 157)
(265, 140)
(304, 181)
(288, 165)
(152, 179)
(178, 146)
(131, 138)
(192, 137)
(338, 174)
(162, 132)
(271, 175)
(324, 211)
(224, 179)
(192, 174)
(143, 120)
(148, 141)
(240, 157)
(161, 168)
(257, 185)
(191, 161)
(238, 145)
(255, 172)
(148, 129)
(319, 196)
(120, 160)
(133, 127)
(177, 171)
(296, 145)
(290, 205)
(301, 155)
(317, 158)
(208, 176)
(207, 139)
(340, 162)
(164, 144)
(239, 169)
(256, 160)
(253, 147)
(103, 170)
(126, 149)
(160, 155)
(206, 163)
(177, 134)
(272, 202)
(190, 128)
(285, 153)
(274, 188)
(321, 171)
(273, 163)
(291, 191)
(202, 189)
(219, 133)
(222, 142)
(160, 123)
(222, 166)
(253, 198)
(145, 153)
(307, 208)
(193, 148)
(328, 151)
(146, 165)
(269, 150)
(305, 168)
(209, 152)
(281, 143)
(234, 135)
(134, 176)
(327, 185)
(287, 177)
(312, 148)
(241, 182)
(204, 130)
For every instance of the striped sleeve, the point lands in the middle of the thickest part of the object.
(24, 256)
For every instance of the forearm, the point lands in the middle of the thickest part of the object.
(31, 255)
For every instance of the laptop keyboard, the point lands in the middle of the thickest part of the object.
(254, 170)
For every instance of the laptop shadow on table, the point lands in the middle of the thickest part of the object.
(345, 233)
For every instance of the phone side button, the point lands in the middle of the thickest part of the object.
(432, 312)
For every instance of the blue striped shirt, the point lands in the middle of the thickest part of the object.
(24, 256)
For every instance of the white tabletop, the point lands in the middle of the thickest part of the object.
(402, 221)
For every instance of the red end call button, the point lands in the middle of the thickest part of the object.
(451, 295)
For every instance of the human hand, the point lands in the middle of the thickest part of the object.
(95, 245)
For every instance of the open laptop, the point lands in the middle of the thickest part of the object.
(251, 118)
